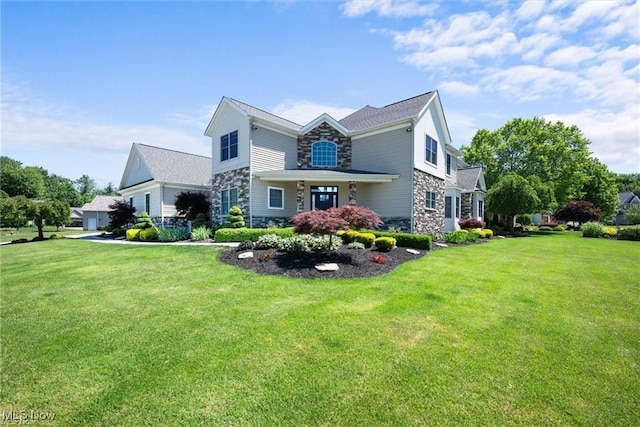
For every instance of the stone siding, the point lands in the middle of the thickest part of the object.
(238, 179)
(270, 221)
(324, 132)
(466, 208)
(427, 221)
(402, 223)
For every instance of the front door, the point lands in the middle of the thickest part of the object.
(324, 197)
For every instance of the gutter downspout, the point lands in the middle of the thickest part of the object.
(250, 174)
(413, 164)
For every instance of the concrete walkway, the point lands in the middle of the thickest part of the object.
(95, 237)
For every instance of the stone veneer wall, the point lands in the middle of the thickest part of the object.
(427, 221)
(324, 132)
(270, 221)
(237, 178)
(466, 207)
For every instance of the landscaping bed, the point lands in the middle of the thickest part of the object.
(351, 262)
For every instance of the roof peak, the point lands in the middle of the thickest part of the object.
(170, 149)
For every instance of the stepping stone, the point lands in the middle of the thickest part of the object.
(499, 237)
(245, 255)
(328, 266)
(413, 251)
(441, 245)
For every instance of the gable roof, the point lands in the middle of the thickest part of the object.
(628, 197)
(172, 166)
(468, 178)
(101, 203)
(261, 114)
(369, 117)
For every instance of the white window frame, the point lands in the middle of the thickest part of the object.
(229, 145)
(431, 199)
(228, 192)
(281, 190)
(430, 150)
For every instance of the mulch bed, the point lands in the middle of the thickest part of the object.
(352, 262)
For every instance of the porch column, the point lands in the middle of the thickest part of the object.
(300, 197)
(353, 192)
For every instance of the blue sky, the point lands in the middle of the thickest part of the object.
(82, 81)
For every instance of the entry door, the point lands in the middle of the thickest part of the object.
(324, 197)
(93, 224)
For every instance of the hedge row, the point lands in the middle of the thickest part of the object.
(408, 240)
(224, 235)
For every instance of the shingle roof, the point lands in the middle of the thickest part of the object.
(261, 114)
(468, 178)
(175, 166)
(101, 203)
(626, 197)
(369, 117)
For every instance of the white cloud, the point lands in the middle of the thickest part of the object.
(530, 9)
(615, 136)
(460, 89)
(528, 82)
(569, 56)
(402, 8)
(302, 111)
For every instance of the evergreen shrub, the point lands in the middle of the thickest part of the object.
(148, 234)
(385, 244)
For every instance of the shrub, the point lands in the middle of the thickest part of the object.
(148, 234)
(610, 232)
(143, 221)
(408, 240)
(133, 234)
(545, 228)
(456, 237)
(558, 228)
(318, 222)
(200, 233)
(366, 239)
(526, 219)
(355, 245)
(235, 219)
(592, 229)
(56, 236)
(578, 210)
(241, 234)
(483, 233)
(247, 245)
(469, 223)
(472, 237)
(173, 234)
(200, 221)
(309, 243)
(378, 258)
(357, 217)
(385, 244)
(629, 234)
(268, 241)
(121, 214)
(347, 236)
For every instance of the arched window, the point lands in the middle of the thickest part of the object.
(324, 154)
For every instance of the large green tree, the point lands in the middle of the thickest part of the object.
(51, 212)
(14, 211)
(554, 153)
(512, 195)
(17, 180)
(628, 182)
(87, 188)
(600, 188)
(60, 188)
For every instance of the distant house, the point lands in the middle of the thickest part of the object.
(626, 200)
(397, 160)
(153, 176)
(95, 215)
(76, 217)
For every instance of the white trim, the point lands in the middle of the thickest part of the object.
(335, 164)
(324, 117)
(269, 188)
(323, 175)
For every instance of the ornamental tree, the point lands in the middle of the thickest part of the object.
(512, 195)
(579, 211)
(357, 217)
(319, 222)
(121, 214)
(191, 203)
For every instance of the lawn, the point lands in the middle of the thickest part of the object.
(7, 235)
(541, 330)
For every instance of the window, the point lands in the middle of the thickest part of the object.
(229, 146)
(276, 198)
(431, 200)
(448, 164)
(147, 203)
(228, 199)
(480, 208)
(324, 154)
(431, 152)
(457, 207)
(130, 201)
(447, 207)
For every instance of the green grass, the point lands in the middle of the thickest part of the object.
(542, 330)
(31, 232)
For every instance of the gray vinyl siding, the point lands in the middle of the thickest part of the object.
(389, 152)
(272, 151)
(259, 198)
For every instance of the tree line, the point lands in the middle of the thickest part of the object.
(30, 193)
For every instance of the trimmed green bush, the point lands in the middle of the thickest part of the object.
(355, 245)
(236, 220)
(629, 234)
(200, 221)
(483, 233)
(385, 244)
(148, 234)
(133, 233)
(143, 221)
(366, 239)
(56, 236)
(224, 235)
(268, 241)
(592, 229)
(456, 237)
(559, 228)
(408, 240)
(348, 236)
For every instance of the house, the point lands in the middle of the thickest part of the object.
(95, 215)
(626, 200)
(397, 160)
(76, 217)
(153, 176)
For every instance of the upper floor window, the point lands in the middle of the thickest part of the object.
(229, 146)
(324, 154)
(431, 150)
(448, 164)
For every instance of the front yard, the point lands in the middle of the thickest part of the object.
(542, 330)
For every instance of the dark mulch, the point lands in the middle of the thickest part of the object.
(352, 262)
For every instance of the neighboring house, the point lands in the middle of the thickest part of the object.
(153, 176)
(626, 199)
(76, 217)
(95, 215)
(397, 160)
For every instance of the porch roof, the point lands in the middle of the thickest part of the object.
(325, 175)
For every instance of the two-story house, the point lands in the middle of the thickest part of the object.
(397, 160)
